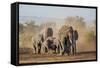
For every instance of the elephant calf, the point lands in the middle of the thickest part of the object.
(37, 43)
(48, 45)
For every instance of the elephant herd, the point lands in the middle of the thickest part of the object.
(63, 43)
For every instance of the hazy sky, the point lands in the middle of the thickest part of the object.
(89, 14)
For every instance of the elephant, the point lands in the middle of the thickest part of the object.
(44, 47)
(48, 40)
(34, 46)
(65, 36)
(37, 43)
(74, 39)
(49, 46)
(57, 43)
(66, 46)
(47, 32)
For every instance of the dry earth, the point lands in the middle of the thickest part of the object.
(41, 58)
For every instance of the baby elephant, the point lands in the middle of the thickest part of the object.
(48, 46)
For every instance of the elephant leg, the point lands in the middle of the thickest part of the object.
(45, 49)
(61, 50)
(75, 48)
(58, 49)
(72, 49)
(64, 51)
(68, 53)
(42, 49)
(34, 49)
(39, 50)
(69, 50)
(55, 49)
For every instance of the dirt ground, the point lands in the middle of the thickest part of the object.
(41, 58)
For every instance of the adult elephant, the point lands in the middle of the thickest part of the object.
(70, 38)
(65, 36)
(48, 40)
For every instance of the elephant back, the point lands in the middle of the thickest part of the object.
(64, 30)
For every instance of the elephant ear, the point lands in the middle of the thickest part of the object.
(49, 32)
(76, 34)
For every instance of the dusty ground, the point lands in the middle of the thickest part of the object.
(40, 58)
